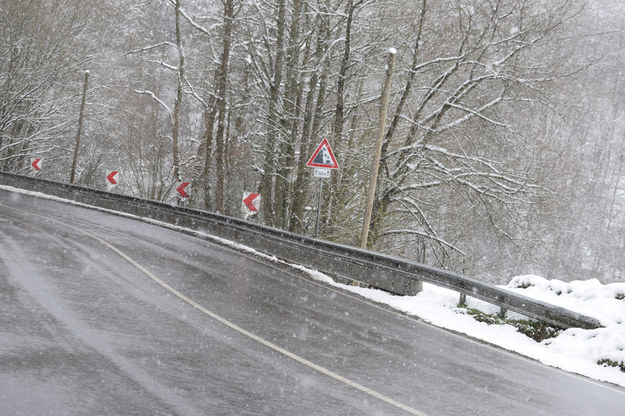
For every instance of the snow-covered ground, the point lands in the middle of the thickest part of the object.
(574, 350)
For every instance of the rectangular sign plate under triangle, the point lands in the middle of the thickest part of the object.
(323, 157)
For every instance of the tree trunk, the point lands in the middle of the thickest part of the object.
(312, 119)
(339, 118)
(207, 155)
(222, 86)
(273, 133)
(178, 102)
(79, 132)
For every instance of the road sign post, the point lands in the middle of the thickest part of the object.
(319, 207)
(323, 161)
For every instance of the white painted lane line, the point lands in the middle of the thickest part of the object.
(243, 331)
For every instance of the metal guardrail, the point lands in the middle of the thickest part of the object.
(393, 274)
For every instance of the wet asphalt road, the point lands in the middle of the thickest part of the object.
(85, 332)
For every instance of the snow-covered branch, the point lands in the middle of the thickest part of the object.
(150, 47)
(158, 100)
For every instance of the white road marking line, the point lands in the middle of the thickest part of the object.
(229, 245)
(243, 331)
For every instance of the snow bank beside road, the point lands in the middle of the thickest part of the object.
(574, 350)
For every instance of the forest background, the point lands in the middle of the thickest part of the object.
(504, 148)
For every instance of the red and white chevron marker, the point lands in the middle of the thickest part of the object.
(111, 177)
(251, 200)
(250, 204)
(36, 164)
(181, 189)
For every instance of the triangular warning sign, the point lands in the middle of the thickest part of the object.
(323, 157)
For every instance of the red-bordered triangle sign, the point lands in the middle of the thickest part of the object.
(323, 157)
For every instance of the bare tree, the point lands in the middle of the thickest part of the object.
(163, 49)
(453, 136)
(42, 53)
(483, 144)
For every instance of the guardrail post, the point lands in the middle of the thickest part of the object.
(463, 299)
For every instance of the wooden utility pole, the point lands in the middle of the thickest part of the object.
(386, 92)
(179, 94)
(72, 174)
